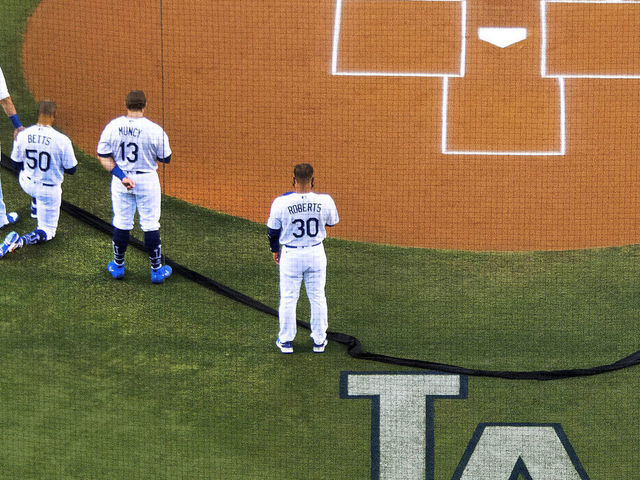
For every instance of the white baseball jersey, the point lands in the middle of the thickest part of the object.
(302, 217)
(4, 91)
(136, 144)
(45, 153)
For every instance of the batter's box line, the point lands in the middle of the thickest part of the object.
(543, 42)
(563, 130)
(463, 48)
(445, 78)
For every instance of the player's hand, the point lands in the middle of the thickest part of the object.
(276, 257)
(17, 131)
(128, 182)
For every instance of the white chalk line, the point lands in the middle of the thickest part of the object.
(560, 77)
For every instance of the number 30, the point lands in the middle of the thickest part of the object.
(311, 226)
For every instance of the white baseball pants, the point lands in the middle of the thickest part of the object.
(3, 209)
(145, 196)
(298, 264)
(48, 198)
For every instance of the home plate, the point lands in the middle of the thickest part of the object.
(502, 36)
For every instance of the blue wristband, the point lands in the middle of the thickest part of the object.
(117, 172)
(15, 120)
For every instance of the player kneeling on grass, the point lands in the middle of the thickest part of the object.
(130, 147)
(296, 229)
(43, 155)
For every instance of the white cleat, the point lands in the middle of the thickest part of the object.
(319, 348)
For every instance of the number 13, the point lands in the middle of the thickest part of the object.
(133, 155)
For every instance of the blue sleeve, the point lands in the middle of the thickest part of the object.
(274, 239)
(17, 165)
(71, 170)
(164, 160)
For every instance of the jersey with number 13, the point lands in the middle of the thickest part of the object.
(302, 217)
(134, 143)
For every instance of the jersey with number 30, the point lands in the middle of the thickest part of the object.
(302, 218)
(45, 153)
(136, 144)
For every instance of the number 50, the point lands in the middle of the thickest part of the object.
(42, 160)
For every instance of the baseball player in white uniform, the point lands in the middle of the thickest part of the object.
(43, 155)
(130, 147)
(10, 110)
(296, 229)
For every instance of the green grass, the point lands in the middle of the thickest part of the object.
(106, 379)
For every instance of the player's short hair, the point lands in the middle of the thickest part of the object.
(136, 100)
(47, 108)
(303, 172)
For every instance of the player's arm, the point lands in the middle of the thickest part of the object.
(274, 243)
(18, 166)
(164, 153)
(70, 163)
(107, 160)
(10, 109)
(17, 154)
(109, 164)
(332, 214)
(274, 228)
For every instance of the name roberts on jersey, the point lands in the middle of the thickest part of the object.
(305, 207)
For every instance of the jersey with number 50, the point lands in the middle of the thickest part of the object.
(301, 218)
(136, 144)
(45, 153)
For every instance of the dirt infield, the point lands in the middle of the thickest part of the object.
(249, 90)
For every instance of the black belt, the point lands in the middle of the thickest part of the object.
(138, 172)
(42, 183)
(314, 245)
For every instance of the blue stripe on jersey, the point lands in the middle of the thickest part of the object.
(285, 194)
(17, 165)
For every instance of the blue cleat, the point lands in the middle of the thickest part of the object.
(285, 347)
(158, 275)
(10, 243)
(116, 271)
(11, 218)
